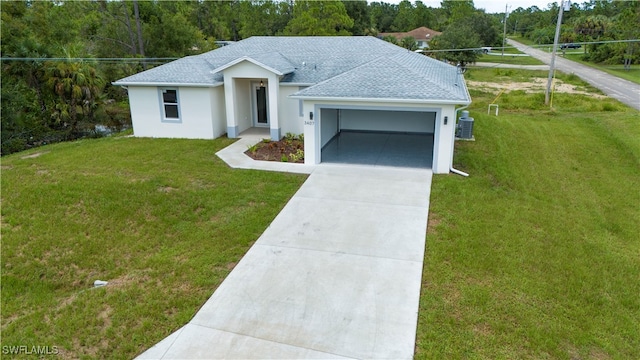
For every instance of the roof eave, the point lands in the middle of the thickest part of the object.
(163, 84)
(392, 100)
(282, 83)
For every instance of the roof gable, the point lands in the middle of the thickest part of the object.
(274, 62)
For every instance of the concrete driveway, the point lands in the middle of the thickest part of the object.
(336, 275)
(623, 90)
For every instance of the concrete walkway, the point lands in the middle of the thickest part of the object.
(337, 274)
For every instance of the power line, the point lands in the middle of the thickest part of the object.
(80, 59)
(160, 60)
(538, 45)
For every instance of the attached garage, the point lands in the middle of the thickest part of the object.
(377, 136)
(398, 111)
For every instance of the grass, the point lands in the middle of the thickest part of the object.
(506, 59)
(510, 57)
(164, 221)
(536, 254)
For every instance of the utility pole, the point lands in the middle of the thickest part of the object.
(504, 31)
(547, 93)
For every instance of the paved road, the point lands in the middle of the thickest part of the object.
(624, 91)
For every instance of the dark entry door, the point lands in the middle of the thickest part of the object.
(261, 106)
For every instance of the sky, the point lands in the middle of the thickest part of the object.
(497, 6)
(491, 6)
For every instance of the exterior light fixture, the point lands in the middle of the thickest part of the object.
(310, 115)
(446, 119)
(261, 83)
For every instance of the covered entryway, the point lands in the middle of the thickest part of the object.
(402, 138)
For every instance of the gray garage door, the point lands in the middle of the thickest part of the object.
(374, 137)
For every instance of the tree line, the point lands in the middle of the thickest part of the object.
(59, 57)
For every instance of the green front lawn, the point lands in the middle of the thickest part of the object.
(164, 221)
(536, 255)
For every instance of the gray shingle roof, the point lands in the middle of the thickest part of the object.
(392, 78)
(188, 70)
(352, 67)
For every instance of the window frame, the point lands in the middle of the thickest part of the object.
(163, 104)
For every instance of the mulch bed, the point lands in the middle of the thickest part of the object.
(285, 150)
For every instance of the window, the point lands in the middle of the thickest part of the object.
(170, 108)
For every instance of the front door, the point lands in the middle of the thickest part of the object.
(260, 105)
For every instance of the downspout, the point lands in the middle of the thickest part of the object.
(456, 171)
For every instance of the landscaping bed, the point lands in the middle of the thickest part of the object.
(289, 149)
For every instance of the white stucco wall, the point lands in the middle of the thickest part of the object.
(443, 134)
(218, 111)
(289, 112)
(242, 104)
(200, 108)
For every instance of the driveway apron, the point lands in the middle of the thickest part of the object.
(337, 274)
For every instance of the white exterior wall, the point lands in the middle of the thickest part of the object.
(218, 111)
(446, 140)
(243, 104)
(201, 113)
(443, 134)
(290, 119)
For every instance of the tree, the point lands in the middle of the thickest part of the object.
(170, 34)
(319, 18)
(359, 12)
(460, 42)
(382, 15)
(273, 18)
(76, 85)
(405, 19)
(409, 43)
(423, 16)
(391, 39)
(485, 26)
(590, 28)
(456, 10)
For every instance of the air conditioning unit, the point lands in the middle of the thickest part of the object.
(464, 129)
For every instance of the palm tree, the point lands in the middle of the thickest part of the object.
(77, 85)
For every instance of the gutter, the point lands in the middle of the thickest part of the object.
(456, 171)
(164, 84)
(388, 100)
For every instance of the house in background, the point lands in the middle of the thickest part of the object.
(318, 86)
(422, 35)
